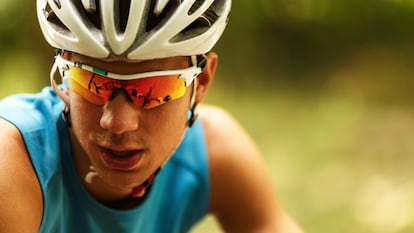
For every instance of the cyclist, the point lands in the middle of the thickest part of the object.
(115, 146)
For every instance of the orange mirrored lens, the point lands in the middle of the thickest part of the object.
(146, 92)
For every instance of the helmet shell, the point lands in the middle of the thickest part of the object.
(133, 29)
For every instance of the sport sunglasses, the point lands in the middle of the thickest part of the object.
(146, 90)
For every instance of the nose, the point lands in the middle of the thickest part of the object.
(120, 115)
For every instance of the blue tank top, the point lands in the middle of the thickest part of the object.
(178, 198)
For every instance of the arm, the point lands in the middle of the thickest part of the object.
(242, 196)
(20, 195)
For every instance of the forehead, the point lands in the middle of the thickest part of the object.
(124, 67)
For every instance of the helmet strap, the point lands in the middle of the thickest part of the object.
(193, 105)
(66, 116)
(193, 115)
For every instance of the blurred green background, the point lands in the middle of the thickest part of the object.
(324, 87)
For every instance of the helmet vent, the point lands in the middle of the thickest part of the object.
(123, 9)
(55, 22)
(200, 25)
(154, 19)
(209, 16)
(93, 16)
(57, 3)
(120, 7)
(89, 5)
(195, 6)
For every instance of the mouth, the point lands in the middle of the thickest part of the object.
(121, 160)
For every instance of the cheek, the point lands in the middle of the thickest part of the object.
(84, 116)
(167, 126)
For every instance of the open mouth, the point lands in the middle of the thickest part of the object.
(121, 160)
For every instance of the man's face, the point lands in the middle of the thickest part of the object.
(123, 142)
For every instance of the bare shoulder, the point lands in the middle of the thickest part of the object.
(223, 133)
(20, 194)
(242, 197)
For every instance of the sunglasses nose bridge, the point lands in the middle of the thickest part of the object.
(119, 91)
(120, 115)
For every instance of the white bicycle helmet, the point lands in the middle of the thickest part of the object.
(133, 29)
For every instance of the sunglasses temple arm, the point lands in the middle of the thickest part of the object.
(62, 94)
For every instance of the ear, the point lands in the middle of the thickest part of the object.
(205, 78)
